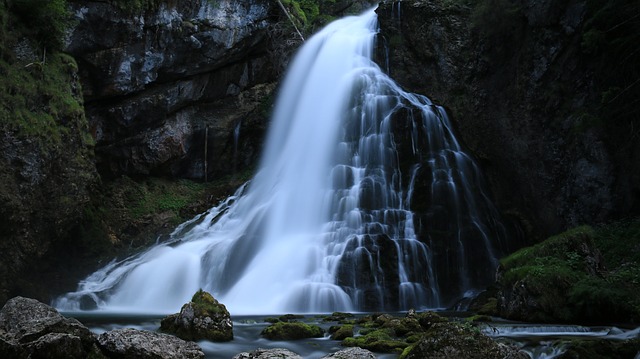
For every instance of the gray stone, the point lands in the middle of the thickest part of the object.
(268, 354)
(26, 320)
(351, 353)
(141, 344)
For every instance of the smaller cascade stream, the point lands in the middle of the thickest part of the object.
(364, 201)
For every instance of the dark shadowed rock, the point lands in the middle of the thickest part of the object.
(141, 344)
(204, 318)
(451, 340)
(519, 89)
(268, 354)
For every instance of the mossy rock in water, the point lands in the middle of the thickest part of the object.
(341, 332)
(597, 349)
(204, 318)
(453, 340)
(290, 317)
(292, 331)
(379, 340)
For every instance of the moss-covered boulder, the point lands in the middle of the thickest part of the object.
(204, 318)
(564, 278)
(454, 340)
(341, 332)
(596, 349)
(377, 340)
(292, 331)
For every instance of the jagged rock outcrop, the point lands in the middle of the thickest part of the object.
(155, 81)
(520, 89)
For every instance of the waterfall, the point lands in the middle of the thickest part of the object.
(364, 201)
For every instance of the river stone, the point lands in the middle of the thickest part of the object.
(351, 353)
(204, 318)
(142, 344)
(260, 353)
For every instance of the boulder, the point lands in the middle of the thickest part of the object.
(142, 344)
(268, 354)
(204, 318)
(351, 353)
(32, 329)
(341, 332)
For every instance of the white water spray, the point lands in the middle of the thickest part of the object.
(327, 223)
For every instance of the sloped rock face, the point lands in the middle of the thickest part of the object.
(155, 81)
(517, 97)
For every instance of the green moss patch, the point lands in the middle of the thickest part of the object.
(584, 275)
(292, 331)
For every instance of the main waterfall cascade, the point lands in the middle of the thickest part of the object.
(364, 201)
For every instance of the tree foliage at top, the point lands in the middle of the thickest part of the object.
(43, 21)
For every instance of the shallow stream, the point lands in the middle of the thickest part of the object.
(538, 340)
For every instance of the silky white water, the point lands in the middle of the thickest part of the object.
(328, 223)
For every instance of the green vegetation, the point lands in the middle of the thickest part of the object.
(583, 275)
(309, 15)
(43, 21)
(205, 305)
(380, 340)
(40, 97)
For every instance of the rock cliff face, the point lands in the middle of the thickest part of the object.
(161, 87)
(163, 84)
(519, 91)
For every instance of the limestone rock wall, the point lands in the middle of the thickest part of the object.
(155, 80)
